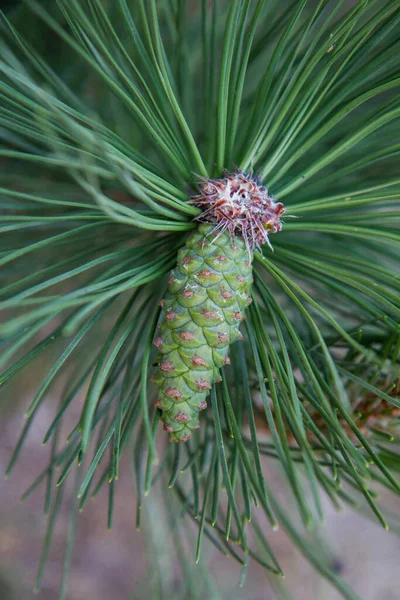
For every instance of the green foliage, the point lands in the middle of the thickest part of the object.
(103, 141)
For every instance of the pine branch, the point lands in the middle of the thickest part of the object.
(102, 149)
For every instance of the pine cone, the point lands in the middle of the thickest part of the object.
(208, 293)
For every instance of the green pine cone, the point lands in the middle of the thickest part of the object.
(208, 293)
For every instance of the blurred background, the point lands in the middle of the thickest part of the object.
(126, 564)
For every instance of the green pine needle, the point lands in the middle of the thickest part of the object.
(102, 144)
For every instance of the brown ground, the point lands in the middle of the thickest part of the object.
(112, 565)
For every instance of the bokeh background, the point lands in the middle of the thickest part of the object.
(125, 564)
